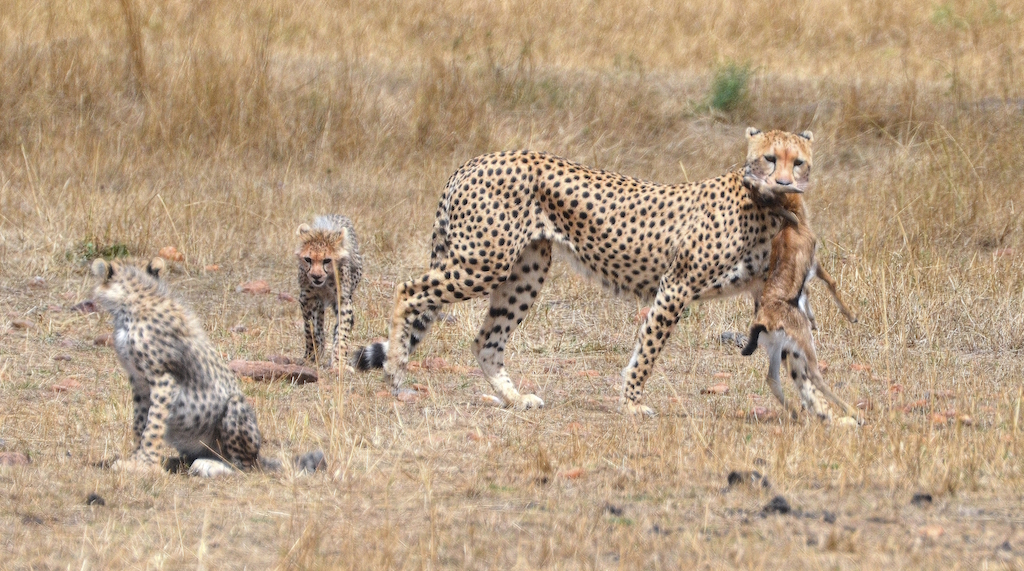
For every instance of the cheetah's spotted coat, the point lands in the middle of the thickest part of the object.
(501, 214)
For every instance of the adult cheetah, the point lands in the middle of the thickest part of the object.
(501, 214)
(329, 270)
(182, 390)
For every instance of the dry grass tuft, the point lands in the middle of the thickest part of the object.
(214, 127)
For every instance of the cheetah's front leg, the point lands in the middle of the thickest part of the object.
(146, 457)
(654, 333)
(343, 322)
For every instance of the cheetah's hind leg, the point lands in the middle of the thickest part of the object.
(510, 302)
(239, 434)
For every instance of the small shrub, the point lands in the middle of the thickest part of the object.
(729, 87)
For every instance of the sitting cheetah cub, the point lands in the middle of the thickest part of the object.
(329, 270)
(783, 322)
(182, 390)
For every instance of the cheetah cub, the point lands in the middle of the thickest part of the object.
(783, 322)
(329, 270)
(182, 390)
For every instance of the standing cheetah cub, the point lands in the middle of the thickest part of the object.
(329, 270)
(182, 390)
(783, 322)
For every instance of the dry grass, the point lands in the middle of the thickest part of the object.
(217, 127)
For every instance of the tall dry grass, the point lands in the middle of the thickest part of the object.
(217, 127)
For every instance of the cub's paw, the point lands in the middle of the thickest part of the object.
(209, 468)
(637, 410)
(526, 402)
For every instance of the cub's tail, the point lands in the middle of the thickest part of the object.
(369, 357)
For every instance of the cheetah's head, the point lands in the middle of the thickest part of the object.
(118, 280)
(319, 252)
(777, 162)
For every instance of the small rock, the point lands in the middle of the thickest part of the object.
(778, 505)
(443, 317)
(719, 389)
(613, 509)
(37, 282)
(408, 396)
(68, 384)
(285, 297)
(171, 254)
(95, 500)
(847, 421)
(87, 306)
(22, 324)
(491, 400)
(642, 314)
(965, 419)
(281, 360)
(916, 405)
(14, 459)
(939, 419)
(932, 531)
(921, 499)
(238, 328)
(105, 340)
(572, 473)
(62, 357)
(310, 462)
(211, 268)
(420, 388)
(589, 373)
(753, 478)
(763, 414)
(733, 338)
(68, 343)
(722, 375)
(859, 367)
(255, 287)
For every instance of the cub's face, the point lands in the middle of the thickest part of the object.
(116, 279)
(778, 162)
(318, 254)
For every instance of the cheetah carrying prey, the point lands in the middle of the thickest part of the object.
(501, 214)
(329, 270)
(783, 322)
(182, 390)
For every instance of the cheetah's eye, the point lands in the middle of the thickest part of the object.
(327, 261)
(770, 158)
(308, 260)
(798, 162)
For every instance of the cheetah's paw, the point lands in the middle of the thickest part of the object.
(637, 410)
(526, 402)
(209, 468)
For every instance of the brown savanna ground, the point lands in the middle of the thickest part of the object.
(217, 127)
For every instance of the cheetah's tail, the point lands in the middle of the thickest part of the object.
(755, 331)
(369, 357)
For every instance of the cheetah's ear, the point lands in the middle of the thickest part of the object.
(752, 132)
(303, 229)
(807, 135)
(102, 269)
(155, 266)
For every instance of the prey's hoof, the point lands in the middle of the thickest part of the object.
(526, 402)
(209, 468)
